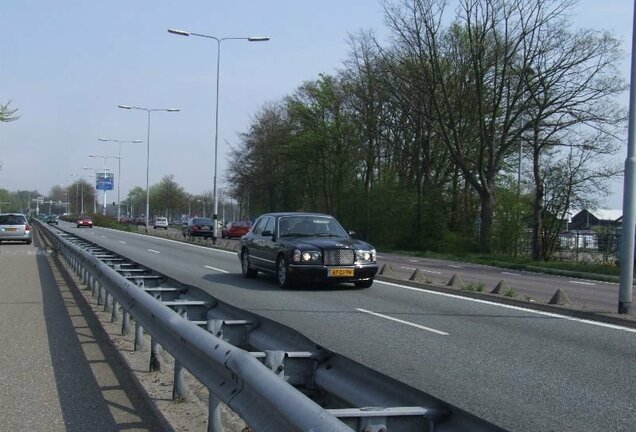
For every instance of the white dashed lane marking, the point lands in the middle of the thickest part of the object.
(216, 269)
(421, 327)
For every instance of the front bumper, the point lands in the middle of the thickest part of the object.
(320, 273)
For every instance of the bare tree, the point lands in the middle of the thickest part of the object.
(8, 114)
(505, 69)
(572, 91)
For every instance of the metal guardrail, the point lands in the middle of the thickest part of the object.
(268, 374)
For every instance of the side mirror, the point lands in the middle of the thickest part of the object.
(267, 233)
(352, 234)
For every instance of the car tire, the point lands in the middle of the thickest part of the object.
(364, 283)
(284, 281)
(246, 269)
(28, 242)
(78, 226)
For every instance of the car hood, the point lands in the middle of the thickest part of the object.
(326, 243)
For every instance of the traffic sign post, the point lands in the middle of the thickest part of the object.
(104, 181)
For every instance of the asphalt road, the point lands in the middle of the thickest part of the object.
(521, 369)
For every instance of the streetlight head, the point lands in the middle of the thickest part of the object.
(173, 110)
(137, 141)
(124, 106)
(179, 32)
(258, 38)
(103, 139)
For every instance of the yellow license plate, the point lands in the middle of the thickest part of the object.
(11, 229)
(340, 272)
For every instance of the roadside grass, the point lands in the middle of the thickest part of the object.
(476, 287)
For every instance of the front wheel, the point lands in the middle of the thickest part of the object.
(247, 271)
(284, 280)
(364, 283)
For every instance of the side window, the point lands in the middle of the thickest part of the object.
(269, 226)
(258, 226)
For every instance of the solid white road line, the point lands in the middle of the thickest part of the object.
(153, 251)
(505, 306)
(403, 322)
(582, 283)
(122, 242)
(408, 268)
(216, 269)
(455, 266)
(510, 274)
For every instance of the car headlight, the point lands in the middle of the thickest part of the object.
(365, 256)
(306, 256)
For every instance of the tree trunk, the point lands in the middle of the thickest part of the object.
(537, 210)
(485, 220)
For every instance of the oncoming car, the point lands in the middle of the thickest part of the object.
(14, 227)
(306, 247)
(84, 221)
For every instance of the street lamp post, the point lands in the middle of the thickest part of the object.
(148, 111)
(216, 120)
(77, 192)
(119, 170)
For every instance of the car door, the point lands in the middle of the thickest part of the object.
(269, 246)
(254, 243)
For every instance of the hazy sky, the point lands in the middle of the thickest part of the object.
(67, 65)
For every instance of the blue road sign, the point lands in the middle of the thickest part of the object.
(104, 181)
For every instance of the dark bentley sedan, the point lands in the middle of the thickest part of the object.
(306, 247)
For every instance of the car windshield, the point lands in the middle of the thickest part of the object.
(202, 221)
(12, 220)
(310, 226)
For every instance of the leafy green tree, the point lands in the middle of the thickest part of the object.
(167, 198)
(136, 200)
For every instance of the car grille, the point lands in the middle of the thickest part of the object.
(339, 257)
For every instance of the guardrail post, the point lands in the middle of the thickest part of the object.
(155, 348)
(125, 323)
(179, 388)
(107, 299)
(100, 294)
(114, 316)
(215, 424)
(94, 288)
(85, 275)
(139, 337)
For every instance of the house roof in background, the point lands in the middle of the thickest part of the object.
(604, 214)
